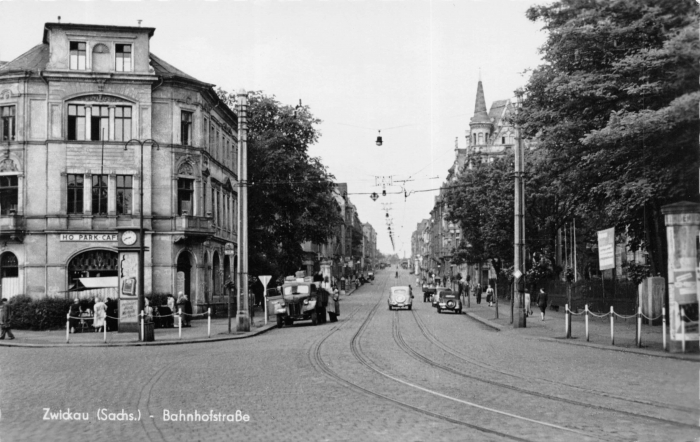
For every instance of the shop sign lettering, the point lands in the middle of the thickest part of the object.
(88, 237)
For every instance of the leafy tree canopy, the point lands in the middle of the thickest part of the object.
(615, 109)
(290, 194)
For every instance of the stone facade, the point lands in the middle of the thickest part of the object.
(77, 99)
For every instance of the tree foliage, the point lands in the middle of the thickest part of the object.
(290, 194)
(614, 110)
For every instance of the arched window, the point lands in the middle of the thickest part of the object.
(9, 275)
(93, 263)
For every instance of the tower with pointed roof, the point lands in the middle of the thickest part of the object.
(490, 134)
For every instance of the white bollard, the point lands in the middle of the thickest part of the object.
(68, 328)
(209, 322)
(265, 299)
(612, 326)
(639, 327)
(179, 323)
(682, 313)
(104, 331)
(586, 322)
(566, 320)
(143, 337)
(663, 325)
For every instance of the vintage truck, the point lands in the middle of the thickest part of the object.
(301, 299)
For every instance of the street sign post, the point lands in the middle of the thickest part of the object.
(265, 279)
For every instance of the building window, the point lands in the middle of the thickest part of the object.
(123, 58)
(76, 122)
(99, 194)
(7, 123)
(77, 55)
(474, 138)
(185, 191)
(75, 194)
(99, 123)
(122, 123)
(212, 133)
(125, 189)
(186, 128)
(8, 194)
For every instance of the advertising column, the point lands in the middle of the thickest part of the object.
(128, 244)
(682, 222)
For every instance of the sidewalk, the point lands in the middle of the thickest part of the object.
(163, 336)
(553, 329)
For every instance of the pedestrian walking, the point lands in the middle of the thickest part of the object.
(98, 321)
(478, 293)
(74, 313)
(489, 295)
(5, 316)
(542, 302)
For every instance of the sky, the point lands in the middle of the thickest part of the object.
(408, 68)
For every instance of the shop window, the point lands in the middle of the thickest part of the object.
(99, 194)
(503, 140)
(185, 194)
(186, 128)
(77, 55)
(75, 194)
(125, 190)
(8, 194)
(122, 123)
(76, 122)
(99, 123)
(123, 58)
(7, 123)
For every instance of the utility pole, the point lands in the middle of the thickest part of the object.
(243, 315)
(519, 268)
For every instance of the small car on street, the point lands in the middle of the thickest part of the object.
(436, 295)
(448, 300)
(400, 297)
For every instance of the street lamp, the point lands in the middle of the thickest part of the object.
(141, 238)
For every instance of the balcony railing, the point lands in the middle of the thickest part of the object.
(198, 225)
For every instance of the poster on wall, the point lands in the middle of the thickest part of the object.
(128, 311)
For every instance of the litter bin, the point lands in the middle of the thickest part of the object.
(148, 331)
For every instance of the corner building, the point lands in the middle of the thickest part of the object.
(69, 182)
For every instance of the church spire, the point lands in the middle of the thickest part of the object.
(480, 114)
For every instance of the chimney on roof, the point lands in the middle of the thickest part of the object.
(59, 19)
(140, 23)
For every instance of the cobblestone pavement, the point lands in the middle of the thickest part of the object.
(375, 375)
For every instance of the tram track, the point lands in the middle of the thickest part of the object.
(493, 369)
(319, 364)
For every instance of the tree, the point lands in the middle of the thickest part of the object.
(290, 194)
(615, 109)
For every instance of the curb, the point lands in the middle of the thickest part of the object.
(259, 331)
(484, 321)
(657, 354)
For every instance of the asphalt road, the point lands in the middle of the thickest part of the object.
(375, 375)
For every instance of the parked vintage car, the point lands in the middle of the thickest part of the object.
(400, 297)
(428, 291)
(448, 300)
(301, 300)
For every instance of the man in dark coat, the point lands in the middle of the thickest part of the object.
(5, 316)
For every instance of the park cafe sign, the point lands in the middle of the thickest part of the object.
(88, 237)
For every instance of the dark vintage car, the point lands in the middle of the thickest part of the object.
(400, 297)
(300, 300)
(448, 300)
(436, 295)
(428, 291)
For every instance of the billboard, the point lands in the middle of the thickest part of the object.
(606, 248)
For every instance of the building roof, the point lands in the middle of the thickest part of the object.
(480, 115)
(497, 110)
(89, 27)
(166, 70)
(35, 58)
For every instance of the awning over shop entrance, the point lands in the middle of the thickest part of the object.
(99, 287)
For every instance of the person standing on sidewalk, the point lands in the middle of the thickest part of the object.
(478, 293)
(489, 295)
(542, 302)
(5, 319)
